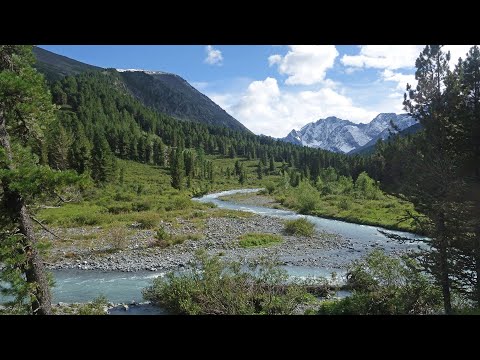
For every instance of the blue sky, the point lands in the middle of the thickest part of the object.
(274, 89)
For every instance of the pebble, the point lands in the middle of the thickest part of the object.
(220, 236)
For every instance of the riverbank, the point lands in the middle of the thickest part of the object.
(219, 236)
(329, 209)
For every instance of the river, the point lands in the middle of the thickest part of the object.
(85, 285)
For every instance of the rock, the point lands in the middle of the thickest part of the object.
(125, 307)
(133, 303)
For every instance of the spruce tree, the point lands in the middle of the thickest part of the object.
(103, 162)
(177, 169)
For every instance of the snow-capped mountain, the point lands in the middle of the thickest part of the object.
(339, 135)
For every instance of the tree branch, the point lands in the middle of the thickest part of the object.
(45, 228)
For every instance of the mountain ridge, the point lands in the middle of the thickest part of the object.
(344, 136)
(162, 91)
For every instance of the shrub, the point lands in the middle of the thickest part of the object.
(86, 219)
(179, 203)
(118, 238)
(300, 227)
(96, 307)
(344, 204)
(122, 196)
(144, 205)
(161, 234)
(307, 197)
(270, 187)
(226, 288)
(119, 208)
(384, 285)
(367, 188)
(257, 239)
(147, 220)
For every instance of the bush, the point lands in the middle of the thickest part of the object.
(300, 227)
(122, 196)
(161, 234)
(307, 197)
(179, 203)
(344, 204)
(119, 208)
(147, 220)
(270, 187)
(96, 307)
(257, 239)
(384, 285)
(367, 188)
(118, 238)
(216, 287)
(144, 205)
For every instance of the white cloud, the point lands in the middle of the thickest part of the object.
(384, 56)
(456, 51)
(394, 57)
(266, 109)
(305, 64)
(399, 78)
(214, 56)
(199, 85)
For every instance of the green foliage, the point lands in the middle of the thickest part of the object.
(270, 187)
(96, 307)
(225, 288)
(259, 240)
(26, 111)
(177, 169)
(300, 227)
(306, 197)
(384, 285)
(103, 162)
(366, 187)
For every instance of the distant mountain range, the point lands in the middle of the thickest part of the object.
(165, 92)
(344, 136)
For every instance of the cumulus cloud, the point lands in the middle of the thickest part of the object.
(399, 78)
(384, 56)
(395, 57)
(214, 56)
(457, 51)
(305, 64)
(267, 109)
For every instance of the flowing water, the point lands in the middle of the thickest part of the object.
(84, 285)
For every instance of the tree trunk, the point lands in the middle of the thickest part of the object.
(34, 270)
(477, 266)
(444, 271)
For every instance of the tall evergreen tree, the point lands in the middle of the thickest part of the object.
(177, 169)
(25, 108)
(103, 162)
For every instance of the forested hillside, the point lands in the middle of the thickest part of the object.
(164, 92)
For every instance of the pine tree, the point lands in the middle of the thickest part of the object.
(25, 108)
(177, 169)
(260, 170)
(431, 179)
(103, 162)
(272, 165)
(238, 168)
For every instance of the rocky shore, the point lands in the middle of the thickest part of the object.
(220, 236)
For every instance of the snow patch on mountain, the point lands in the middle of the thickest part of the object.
(339, 135)
(150, 72)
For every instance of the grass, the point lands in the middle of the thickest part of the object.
(300, 227)
(387, 212)
(259, 240)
